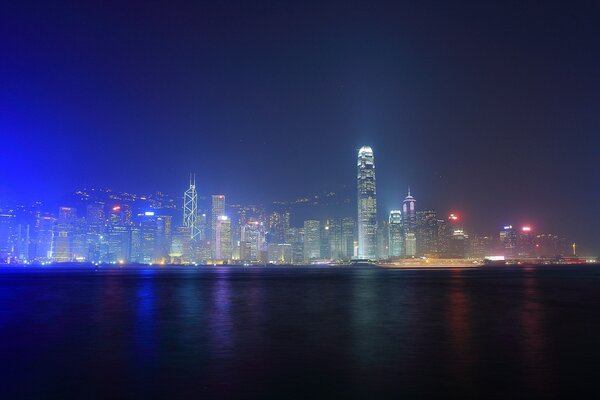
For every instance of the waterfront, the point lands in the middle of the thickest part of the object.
(502, 332)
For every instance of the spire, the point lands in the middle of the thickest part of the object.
(408, 191)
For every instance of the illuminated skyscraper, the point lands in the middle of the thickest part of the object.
(383, 240)
(190, 210)
(367, 204)
(222, 238)
(252, 240)
(409, 213)
(7, 237)
(396, 236)
(217, 209)
(63, 234)
(348, 230)
(148, 237)
(409, 221)
(312, 240)
(508, 240)
(427, 233)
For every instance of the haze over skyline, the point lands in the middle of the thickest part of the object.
(488, 109)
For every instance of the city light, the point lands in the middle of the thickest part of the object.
(526, 229)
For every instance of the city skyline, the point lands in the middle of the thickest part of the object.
(164, 230)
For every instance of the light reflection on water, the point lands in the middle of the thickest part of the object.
(259, 332)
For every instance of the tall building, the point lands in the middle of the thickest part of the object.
(295, 237)
(217, 210)
(148, 237)
(396, 235)
(409, 213)
(335, 239)
(508, 241)
(427, 233)
(44, 227)
(7, 237)
(279, 253)
(252, 241)
(348, 234)
(367, 204)
(325, 240)
(164, 236)
(62, 235)
(190, 210)
(383, 240)
(278, 225)
(312, 240)
(222, 238)
(409, 222)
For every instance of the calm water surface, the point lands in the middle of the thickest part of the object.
(299, 333)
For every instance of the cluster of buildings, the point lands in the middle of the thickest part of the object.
(129, 229)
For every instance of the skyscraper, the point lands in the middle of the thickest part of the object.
(222, 238)
(217, 209)
(190, 210)
(312, 240)
(348, 230)
(396, 237)
(427, 233)
(367, 204)
(148, 237)
(252, 240)
(409, 221)
(409, 213)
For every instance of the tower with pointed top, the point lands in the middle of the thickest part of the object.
(409, 221)
(367, 204)
(190, 209)
(409, 212)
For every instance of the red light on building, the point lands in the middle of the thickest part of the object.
(116, 208)
(453, 217)
(526, 229)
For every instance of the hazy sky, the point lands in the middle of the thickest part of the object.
(488, 108)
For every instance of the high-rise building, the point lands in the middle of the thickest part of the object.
(44, 227)
(223, 238)
(7, 237)
(367, 204)
(63, 234)
(335, 239)
(508, 241)
(252, 241)
(295, 237)
(409, 222)
(164, 236)
(279, 253)
(396, 235)
(278, 224)
(190, 210)
(325, 241)
(312, 240)
(217, 209)
(427, 233)
(348, 234)
(409, 213)
(382, 240)
(148, 237)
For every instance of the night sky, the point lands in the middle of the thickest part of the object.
(491, 109)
